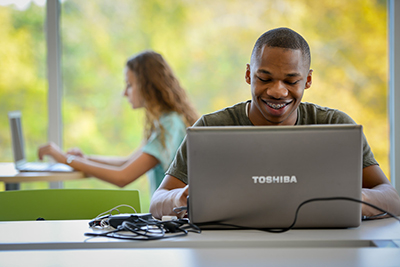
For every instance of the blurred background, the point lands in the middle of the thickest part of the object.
(207, 43)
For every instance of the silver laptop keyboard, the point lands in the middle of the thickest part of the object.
(32, 166)
(44, 167)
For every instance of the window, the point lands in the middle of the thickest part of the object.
(23, 78)
(207, 43)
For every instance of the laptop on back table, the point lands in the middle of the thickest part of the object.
(256, 177)
(18, 146)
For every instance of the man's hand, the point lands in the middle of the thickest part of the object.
(172, 193)
(181, 197)
(378, 191)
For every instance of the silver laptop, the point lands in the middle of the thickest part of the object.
(257, 177)
(18, 146)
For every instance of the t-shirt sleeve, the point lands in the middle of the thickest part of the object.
(174, 132)
(178, 167)
(153, 147)
(340, 117)
(312, 114)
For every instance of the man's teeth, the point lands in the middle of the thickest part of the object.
(276, 106)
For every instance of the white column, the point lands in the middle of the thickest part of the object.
(53, 8)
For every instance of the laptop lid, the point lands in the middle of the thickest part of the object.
(258, 176)
(17, 139)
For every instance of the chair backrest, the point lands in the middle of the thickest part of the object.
(64, 204)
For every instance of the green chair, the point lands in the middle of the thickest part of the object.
(64, 204)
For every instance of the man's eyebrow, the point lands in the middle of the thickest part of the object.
(264, 72)
(295, 74)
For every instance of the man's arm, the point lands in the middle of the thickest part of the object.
(378, 191)
(171, 193)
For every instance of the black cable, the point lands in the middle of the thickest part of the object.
(142, 228)
(150, 229)
(384, 212)
(179, 209)
(330, 199)
(364, 218)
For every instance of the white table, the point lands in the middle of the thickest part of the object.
(12, 177)
(207, 257)
(62, 243)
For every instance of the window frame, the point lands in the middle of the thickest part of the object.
(54, 77)
(394, 89)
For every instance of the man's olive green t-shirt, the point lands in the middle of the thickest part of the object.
(307, 113)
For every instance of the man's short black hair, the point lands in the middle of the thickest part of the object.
(283, 38)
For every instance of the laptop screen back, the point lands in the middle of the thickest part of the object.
(258, 176)
(17, 136)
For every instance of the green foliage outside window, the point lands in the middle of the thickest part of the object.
(207, 43)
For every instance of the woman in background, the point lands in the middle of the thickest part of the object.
(152, 85)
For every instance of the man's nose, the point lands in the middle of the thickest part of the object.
(277, 90)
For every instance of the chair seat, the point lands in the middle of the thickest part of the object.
(64, 204)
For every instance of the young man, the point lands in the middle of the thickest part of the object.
(279, 72)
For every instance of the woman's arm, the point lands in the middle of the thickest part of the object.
(109, 160)
(378, 191)
(138, 164)
(171, 193)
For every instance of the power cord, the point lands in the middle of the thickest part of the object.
(116, 208)
(150, 229)
(139, 226)
(145, 227)
(102, 220)
(384, 213)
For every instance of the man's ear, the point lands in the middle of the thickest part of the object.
(309, 79)
(247, 75)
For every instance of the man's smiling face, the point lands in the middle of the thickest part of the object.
(278, 77)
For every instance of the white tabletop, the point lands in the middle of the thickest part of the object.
(9, 174)
(207, 257)
(70, 235)
(63, 243)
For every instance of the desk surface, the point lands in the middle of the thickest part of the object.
(9, 174)
(221, 257)
(374, 243)
(70, 235)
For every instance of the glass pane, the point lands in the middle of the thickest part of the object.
(208, 44)
(23, 78)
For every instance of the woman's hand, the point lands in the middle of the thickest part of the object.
(52, 150)
(76, 152)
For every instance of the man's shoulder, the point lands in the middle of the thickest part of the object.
(229, 116)
(310, 113)
(311, 107)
